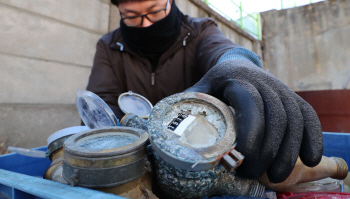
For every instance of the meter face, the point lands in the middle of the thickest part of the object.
(107, 140)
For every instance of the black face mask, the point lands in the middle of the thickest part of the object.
(154, 40)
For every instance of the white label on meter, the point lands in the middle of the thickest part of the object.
(183, 125)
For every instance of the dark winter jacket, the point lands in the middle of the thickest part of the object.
(118, 69)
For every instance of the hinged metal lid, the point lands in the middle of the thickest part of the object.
(94, 111)
(65, 132)
(130, 102)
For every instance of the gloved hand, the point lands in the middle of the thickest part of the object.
(274, 125)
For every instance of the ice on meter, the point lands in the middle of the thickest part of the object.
(194, 131)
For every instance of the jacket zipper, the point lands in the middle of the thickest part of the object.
(153, 79)
(153, 87)
(120, 45)
(185, 38)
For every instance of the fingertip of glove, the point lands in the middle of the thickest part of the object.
(250, 173)
(310, 160)
(311, 149)
(277, 177)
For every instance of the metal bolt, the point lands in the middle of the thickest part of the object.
(148, 166)
(74, 180)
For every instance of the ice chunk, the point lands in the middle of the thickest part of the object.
(199, 133)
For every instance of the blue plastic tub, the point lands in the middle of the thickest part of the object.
(337, 144)
(24, 164)
(21, 176)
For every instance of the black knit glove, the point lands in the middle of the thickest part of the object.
(274, 125)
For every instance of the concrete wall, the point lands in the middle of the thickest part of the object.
(46, 53)
(308, 47)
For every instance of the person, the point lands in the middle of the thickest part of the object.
(158, 51)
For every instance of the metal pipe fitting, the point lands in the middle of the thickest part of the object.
(132, 120)
(173, 182)
(333, 167)
(55, 152)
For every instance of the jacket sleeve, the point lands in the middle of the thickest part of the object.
(103, 81)
(213, 47)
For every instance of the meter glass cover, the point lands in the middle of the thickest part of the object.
(134, 103)
(94, 112)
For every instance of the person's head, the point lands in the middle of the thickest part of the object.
(149, 26)
(142, 13)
